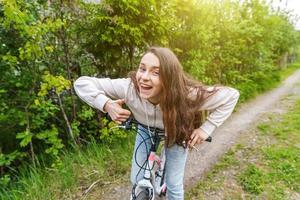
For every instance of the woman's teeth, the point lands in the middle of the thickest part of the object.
(146, 87)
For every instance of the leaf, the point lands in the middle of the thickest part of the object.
(26, 140)
(26, 137)
(37, 102)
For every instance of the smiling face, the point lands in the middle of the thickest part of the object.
(148, 79)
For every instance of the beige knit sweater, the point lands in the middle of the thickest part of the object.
(97, 91)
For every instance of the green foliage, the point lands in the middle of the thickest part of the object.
(120, 32)
(110, 133)
(7, 159)
(75, 128)
(50, 82)
(46, 45)
(87, 123)
(233, 43)
(4, 180)
(51, 137)
(86, 113)
(44, 109)
(25, 138)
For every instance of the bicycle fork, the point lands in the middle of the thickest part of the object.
(154, 176)
(145, 183)
(160, 183)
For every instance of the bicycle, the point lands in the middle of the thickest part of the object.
(153, 182)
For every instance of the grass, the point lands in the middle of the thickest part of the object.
(267, 169)
(252, 179)
(74, 173)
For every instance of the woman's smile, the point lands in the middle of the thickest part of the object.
(145, 87)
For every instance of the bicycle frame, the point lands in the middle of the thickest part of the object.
(154, 174)
(153, 182)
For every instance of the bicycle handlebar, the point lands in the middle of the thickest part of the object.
(128, 125)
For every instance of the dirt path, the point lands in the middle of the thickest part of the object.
(221, 181)
(223, 138)
(239, 122)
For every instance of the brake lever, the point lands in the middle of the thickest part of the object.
(128, 123)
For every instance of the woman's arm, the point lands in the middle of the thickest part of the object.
(221, 105)
(98, 91)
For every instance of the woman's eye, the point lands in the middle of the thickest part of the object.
(142, 69)
(156, 73)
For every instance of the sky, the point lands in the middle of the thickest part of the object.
(290, 5)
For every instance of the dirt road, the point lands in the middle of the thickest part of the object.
(223, 138)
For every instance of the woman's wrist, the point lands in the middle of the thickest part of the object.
(107, 105)
(203, 134)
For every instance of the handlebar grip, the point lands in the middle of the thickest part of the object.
(209, 139)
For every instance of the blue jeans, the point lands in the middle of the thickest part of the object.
(175, 164)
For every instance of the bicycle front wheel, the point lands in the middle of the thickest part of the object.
(143, 195)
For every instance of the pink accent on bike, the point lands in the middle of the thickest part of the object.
(164, 187)
(152, 156)
(158, 162)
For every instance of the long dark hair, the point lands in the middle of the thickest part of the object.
(181, 98)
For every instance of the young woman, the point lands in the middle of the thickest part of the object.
(160, 95)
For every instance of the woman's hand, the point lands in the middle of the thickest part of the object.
(115, 110)
(198, 136)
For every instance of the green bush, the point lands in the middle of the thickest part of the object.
(45, 46)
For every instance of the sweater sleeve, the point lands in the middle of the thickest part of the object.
(97, 91)
(221, 105)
